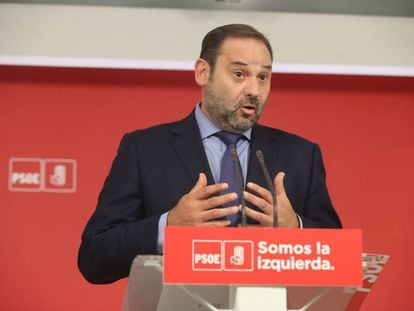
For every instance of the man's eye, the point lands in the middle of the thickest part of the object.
(238, 74)
(263, 77)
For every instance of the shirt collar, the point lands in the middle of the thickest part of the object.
(208, 128)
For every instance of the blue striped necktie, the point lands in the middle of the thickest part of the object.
(228, 173)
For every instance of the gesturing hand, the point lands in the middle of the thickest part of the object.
(262, 198)
(201, 207)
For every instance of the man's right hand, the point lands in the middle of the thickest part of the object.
(201, 207)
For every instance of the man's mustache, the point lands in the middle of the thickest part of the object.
(251, 100)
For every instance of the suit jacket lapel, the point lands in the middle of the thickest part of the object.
(263, 140)
(186, 141)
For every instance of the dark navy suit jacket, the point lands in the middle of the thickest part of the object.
(154, 167)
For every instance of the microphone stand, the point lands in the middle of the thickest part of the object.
(270, 186)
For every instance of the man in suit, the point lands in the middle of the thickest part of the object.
(169, 174)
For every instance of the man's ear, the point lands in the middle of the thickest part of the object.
(201, 72)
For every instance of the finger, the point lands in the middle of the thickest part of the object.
(260, 191)
(201, 182)
(279, 185)
(210, 190)
(264, 205)
(216, 223)
(218, 200)
(262, 218)
(216, 213)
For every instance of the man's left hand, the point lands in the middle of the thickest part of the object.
(262, 198)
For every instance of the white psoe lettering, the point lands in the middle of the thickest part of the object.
(207, 258)
(26, 178)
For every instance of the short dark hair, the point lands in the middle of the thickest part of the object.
(210, 47)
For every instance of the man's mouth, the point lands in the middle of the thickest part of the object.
(248, 109)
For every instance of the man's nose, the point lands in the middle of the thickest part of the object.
(251, 88)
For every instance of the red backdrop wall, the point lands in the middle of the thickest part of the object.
(363, 124)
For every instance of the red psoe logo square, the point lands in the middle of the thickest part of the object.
(207, 255)
(60, 175)
(25, 174)
(238, 255)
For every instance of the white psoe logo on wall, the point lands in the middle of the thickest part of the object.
(42, 175)
(59, 175)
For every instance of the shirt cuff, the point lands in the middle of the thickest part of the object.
(300, 221)
(161, 225)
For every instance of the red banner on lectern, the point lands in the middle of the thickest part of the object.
(264, 256)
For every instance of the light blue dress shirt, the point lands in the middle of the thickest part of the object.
(214, 148)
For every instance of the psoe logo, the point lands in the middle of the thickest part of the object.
(238, 255)
(42, 175)
(227, 255)
(207, 255)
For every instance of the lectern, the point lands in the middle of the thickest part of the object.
(149, 290)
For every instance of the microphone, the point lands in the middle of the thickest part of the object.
(270, 186)
(240, 183)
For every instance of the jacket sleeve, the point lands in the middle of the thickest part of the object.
(318, 211)
(118, 230)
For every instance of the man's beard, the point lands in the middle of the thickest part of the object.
(230, 120)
